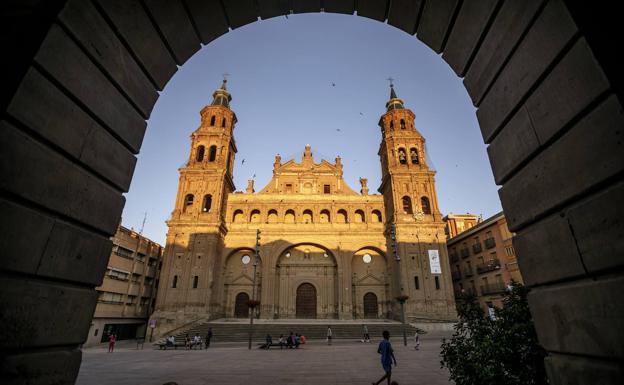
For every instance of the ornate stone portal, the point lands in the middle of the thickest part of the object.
(324, 248)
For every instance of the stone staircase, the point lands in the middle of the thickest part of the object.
(238, 330)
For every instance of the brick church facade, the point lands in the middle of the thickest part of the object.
(326, 251)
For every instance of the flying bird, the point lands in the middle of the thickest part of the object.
(361, 114)
(333, 84)
(243, 162)
(338, 129)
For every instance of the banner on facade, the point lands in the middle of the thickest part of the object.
(434, 262)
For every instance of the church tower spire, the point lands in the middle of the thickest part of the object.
(411, 204)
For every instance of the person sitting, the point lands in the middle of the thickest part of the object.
(302, 339)
(281, 341)
(297, 341)
(187, 342)
(170, 341)
(197, 341)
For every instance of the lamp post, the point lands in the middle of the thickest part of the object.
(401, 297)
(252, 303)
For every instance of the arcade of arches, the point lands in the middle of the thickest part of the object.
(83, 76)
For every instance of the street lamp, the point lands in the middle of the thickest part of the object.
(253, 302)
(401, 297)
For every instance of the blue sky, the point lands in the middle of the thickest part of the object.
(281, 74)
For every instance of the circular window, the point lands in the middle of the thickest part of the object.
(246, 259)
(367, 258)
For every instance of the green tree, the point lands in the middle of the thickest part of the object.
(500, 351)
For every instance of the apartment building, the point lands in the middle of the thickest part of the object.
(483, 261)
(128, 292)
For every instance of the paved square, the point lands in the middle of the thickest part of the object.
(345, 362)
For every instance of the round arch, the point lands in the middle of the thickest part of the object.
(512, 70)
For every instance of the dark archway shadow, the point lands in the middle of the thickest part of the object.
(84, 76)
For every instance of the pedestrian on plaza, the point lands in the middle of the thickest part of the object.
(208, 337)
(269, 341)
(297, 340)
(302, 339)
(366, 335)
(281, 341)
(112, 338)
(387, 356)
(187, 342)
(290, 341)
(329, 335)
(197, 341)
(417, 341)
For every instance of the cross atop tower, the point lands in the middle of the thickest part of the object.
(391, 80)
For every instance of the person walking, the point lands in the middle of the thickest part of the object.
(387, 356)
(112, 338)
(416, 341)
(269, 341)
(208, 337)
(366, 335)
(329, 335)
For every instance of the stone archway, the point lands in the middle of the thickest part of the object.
(544, 77)
(306, 301)
(241, 309)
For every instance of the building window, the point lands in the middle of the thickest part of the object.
(175, 282)
(212, 120)
(96, 332)
(324, 217)
(326, 189)
(118, 274)
(289, 217)
(359, 216)
(289, 188)
(437, 282)
(200, 153)
(272, 217)
(376, 216)
(407, 205)
(188, 202)
(254, 217)
(123, 252)
(238, 217)
(426, 207)
(223, 123)
(402, 156)
(207, 203)
(414, 155)
(212, 154)
(402, 124)
(195, 281)
(416, 283)
(307, 216)
(342, 216)
(509, 250)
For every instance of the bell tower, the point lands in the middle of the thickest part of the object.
(206, 179)
(195, 239)
(412, 212)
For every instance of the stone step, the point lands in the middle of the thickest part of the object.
(239, 331)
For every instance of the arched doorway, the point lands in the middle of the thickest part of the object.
(306, 301)
(564, 43)
(370, 305)
(241, 309)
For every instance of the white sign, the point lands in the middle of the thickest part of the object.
(152, 323)
(434, 262)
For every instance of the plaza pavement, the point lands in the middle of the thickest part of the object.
(345, 362)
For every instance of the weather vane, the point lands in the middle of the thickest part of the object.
(225, 75)
(390, 80)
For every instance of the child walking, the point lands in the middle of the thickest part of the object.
(387, 357)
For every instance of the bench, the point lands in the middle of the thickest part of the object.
(164, 345)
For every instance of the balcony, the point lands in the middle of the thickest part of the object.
(493, 264)
(493, 288)
(468, 272)
(456, 275)
(476, 248)
(465, 253)
(467, 291)
(489, 243)
(454, 257)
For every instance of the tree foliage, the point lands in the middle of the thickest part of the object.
(499, 351)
